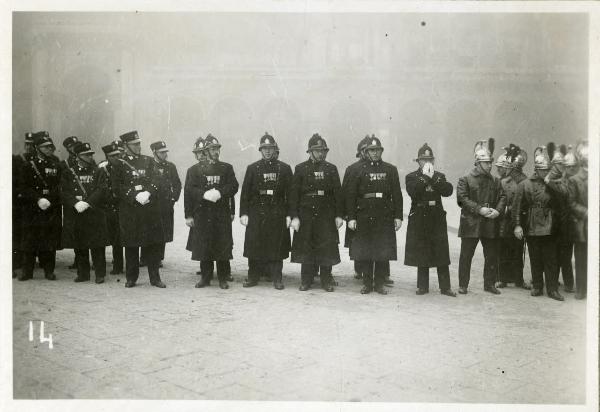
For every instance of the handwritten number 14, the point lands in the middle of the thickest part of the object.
(43, 339)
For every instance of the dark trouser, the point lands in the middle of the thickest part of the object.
(83, 262)
(490, 255)
(47, 262)
(581, 267)
(443, 273)
(117, 252)
(223, 269)
(17, 259)
(161, 253)
(374, 271)
(132, 262)
(565, 265)
(357, 267)
(510, 260)
(543, 260)
(273, 268)
(308, 271)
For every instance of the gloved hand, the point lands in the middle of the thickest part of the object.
(295, 224)
(428, 169)
(493, 214)
(81, 206)
(43, 203)
(352, 225)
(288, 221)
(244, 220)
(518, 232)
(189, 221)
(484, 211)
(339, 222)
(143, 197)
(212, 195)
(397, 224)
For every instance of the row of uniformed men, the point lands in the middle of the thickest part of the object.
(314, 204)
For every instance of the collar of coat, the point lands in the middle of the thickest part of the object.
(476, 172)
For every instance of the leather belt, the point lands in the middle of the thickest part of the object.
(268, 192)
(315, 193)
(377, 195)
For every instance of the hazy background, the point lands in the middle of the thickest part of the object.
(445, 79)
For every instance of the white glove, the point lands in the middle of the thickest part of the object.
(189, 221)
(288, 221)
(143, 197)
(212, 195)
(518, 232)
(217, 194)
(352, 225)
(244, 220)
(493, 214)
(81, 206)
(43, 203)
(295, 224)
(428, 169)
(339, 222)
(397, 224)
(484, 211)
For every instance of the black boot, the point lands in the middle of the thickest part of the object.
(205, 281)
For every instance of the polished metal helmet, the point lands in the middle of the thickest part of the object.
(541, 160)
(556, 156)
(570, 158)
(582, 151)
(483, 150)
(503, 160)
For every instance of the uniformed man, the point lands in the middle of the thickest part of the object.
(111, 205)
(534, 215)
(427, 232)
(136, 182)
(42, 220)
(578, 203)
(316, 210)
(169, 189)
(481, 199)
(557, 181)
(348, 173)
(208, 187)
(264, 206)
(374, 208)
(71, 161)
(19, 162)
(510, 260)
(83, 193)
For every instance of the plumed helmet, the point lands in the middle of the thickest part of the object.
(198, 145)
(556, 156)
(570, 158)
(504, 160)
(425, 153)
(483, 150)
(211, 141)
(267, 141)
(582, 151)
(373, 142)
(361, 146)
(541, 160)
(317, 142)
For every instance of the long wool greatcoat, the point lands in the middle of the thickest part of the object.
(88, 229)
(211, 237)
(140, 224)
(427, 232)
(316, 199)
(169, 190)
(348, 173)
(375, 237)
(265, 200)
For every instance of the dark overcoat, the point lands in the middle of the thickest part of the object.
(211, 237)
(578, 205)
(88, 229)
(140, 225)
(349, 234)
(509, 186)
(535, 208)
(474, 191)
(427, 231)
(265, 200)
(374, 200)
(111, 204)
(169, 190)
(41, 228)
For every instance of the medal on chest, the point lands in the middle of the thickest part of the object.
(319, 175)
(377, 176)
(86, 179)
(213, 180)
(50, 171)
(269, 177)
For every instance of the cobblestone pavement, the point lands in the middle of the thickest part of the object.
(264, 344)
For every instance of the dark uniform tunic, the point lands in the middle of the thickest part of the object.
(211, 237)
(535, 210)
(19, 162)
(348, 174)
(316, 199)
(578, 205)
(111, 211)
(169, 189)
(474, 191)
(374, 200)
(510, 262)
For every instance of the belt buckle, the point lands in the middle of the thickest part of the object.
(138, 187)
(378, 195)
(320, 193)
(431, 203)
(45, 192)
(269, 191)
(486, 205)
(80, 198)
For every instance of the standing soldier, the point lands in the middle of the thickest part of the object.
(578, 203)
(71, 161)
(169, 189)
(557, 181)
(83, 193)
(264, 205)
(374, 208)
(481, 198)
(208, 187)
(42, 220)
(534, 215)
(510, 260)
(111, 205)
(316, 210)
(427, 232)
(136, 183)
